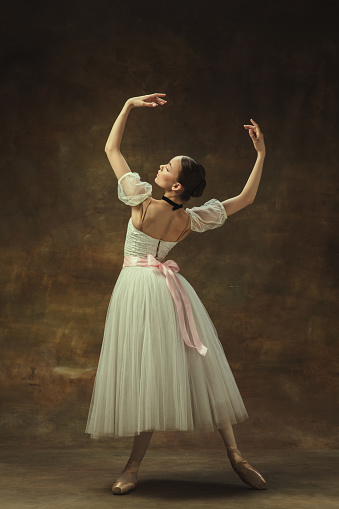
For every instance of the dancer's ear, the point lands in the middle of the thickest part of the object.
(177, 187)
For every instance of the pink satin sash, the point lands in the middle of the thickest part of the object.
(168, 269)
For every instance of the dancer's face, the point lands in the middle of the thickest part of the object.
(167, 176)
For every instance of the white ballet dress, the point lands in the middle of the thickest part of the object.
(148, 378)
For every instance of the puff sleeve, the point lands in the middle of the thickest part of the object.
(131, 190)
(207, 217)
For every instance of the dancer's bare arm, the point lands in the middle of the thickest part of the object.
(112, 148)
(249, 192)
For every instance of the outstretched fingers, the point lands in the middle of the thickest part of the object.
(149, 103)
(156, 99)
(257, 128)
(253, 130)
(256, 136)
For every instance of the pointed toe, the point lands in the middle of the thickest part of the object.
(249, 475)
(120, 488)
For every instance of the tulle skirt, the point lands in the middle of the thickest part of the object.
(147, 377)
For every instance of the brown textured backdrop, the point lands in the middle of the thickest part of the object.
(267, 277)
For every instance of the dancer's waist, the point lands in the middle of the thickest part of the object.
(168, 269)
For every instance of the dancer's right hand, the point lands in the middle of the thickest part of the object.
(151, 100)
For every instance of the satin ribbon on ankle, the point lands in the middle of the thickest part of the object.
(176, 289)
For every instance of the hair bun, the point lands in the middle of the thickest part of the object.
(192, 178)
(199, 189)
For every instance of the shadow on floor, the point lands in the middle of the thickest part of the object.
(82, 478)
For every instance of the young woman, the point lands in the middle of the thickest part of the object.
(162, 366)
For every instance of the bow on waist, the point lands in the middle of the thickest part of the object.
(176, 289)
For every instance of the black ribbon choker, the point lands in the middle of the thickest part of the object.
(175, 205)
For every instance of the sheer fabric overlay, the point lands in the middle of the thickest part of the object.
(131, 190)
(147, 377)
(208, 216)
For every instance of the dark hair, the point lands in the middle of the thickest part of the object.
(192, 178)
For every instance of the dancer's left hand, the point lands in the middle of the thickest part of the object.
(257, 136)
(150, 100)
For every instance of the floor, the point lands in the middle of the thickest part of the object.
(81, 478)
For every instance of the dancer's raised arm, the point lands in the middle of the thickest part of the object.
(112, 148)
(249, 192)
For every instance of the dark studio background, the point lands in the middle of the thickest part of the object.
(267, 278)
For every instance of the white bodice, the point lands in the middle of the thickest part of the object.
(138, 243)
(132, 191)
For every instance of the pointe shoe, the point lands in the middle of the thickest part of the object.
(245, 471)
(122, 487)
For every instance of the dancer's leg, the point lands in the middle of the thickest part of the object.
(128, 478)
(246, 472)
(228, 436)
(140, 445)
(230, 443)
